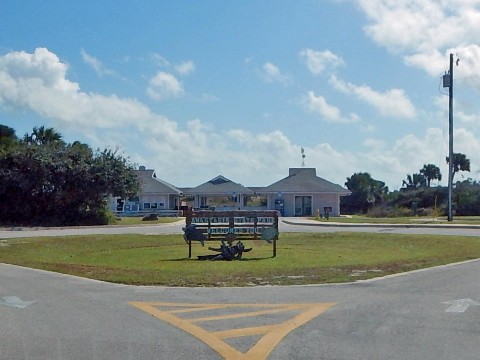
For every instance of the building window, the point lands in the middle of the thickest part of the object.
(153, 206)
(146, 206)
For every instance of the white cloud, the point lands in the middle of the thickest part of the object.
(38, 82)
(96, 64)
(426, 31)
(159, 60)
(468, 70)
(319, 62)
(164, 85)
(463, 114)
(319, 105)
(271, 73)
(376, 144)
(185, 67)
(393, 102)
(423, 25)
(188, 156)
(468, 118)
(392, 163)
(433, 62)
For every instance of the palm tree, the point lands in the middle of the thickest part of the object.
(460, 163)
(42, 135)
(431, 172)
(414, 181)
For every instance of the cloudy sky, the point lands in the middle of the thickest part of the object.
(196, 89)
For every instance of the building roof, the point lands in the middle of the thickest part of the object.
(220, 185)
(151, 184)
(304, 180)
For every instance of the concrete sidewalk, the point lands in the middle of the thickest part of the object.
(311, 222)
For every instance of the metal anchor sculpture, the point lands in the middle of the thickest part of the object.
(226, 251)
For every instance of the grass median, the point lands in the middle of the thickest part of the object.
(302, 258)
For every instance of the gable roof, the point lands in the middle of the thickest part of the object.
(304, 180)
(151, 184)
(220, 185)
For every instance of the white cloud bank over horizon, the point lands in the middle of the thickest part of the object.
(38, 82)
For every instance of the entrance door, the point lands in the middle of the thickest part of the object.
(303, 206)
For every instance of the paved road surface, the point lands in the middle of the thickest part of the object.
(412, 316)
(429, 314)
(285, 225)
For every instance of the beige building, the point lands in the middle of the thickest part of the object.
(301, 193)
(156, 196)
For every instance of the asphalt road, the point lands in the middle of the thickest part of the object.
(428, 314)
(285, 225)
(411, 316)
(172, 228)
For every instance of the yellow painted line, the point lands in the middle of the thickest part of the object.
(187, 305)
(273, 334)
(213, 341)
(228, 334)
(237, 316)
(182, 311)
(271, 339)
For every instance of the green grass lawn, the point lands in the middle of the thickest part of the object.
(301, 258)
(359, 219)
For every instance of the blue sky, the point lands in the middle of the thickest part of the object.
(196, 89)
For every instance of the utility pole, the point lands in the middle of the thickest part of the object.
(448, 82)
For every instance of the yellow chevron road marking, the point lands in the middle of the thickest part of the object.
(272, 334)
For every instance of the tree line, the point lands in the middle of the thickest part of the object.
(46, 181)
(416, 196)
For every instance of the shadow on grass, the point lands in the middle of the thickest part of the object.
(243, 259)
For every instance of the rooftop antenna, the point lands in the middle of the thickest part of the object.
(303, 157)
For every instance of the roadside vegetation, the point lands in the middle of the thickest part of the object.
(416, 197)
(310, 258)
(48, 182)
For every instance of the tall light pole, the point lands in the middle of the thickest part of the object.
(448, 82)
